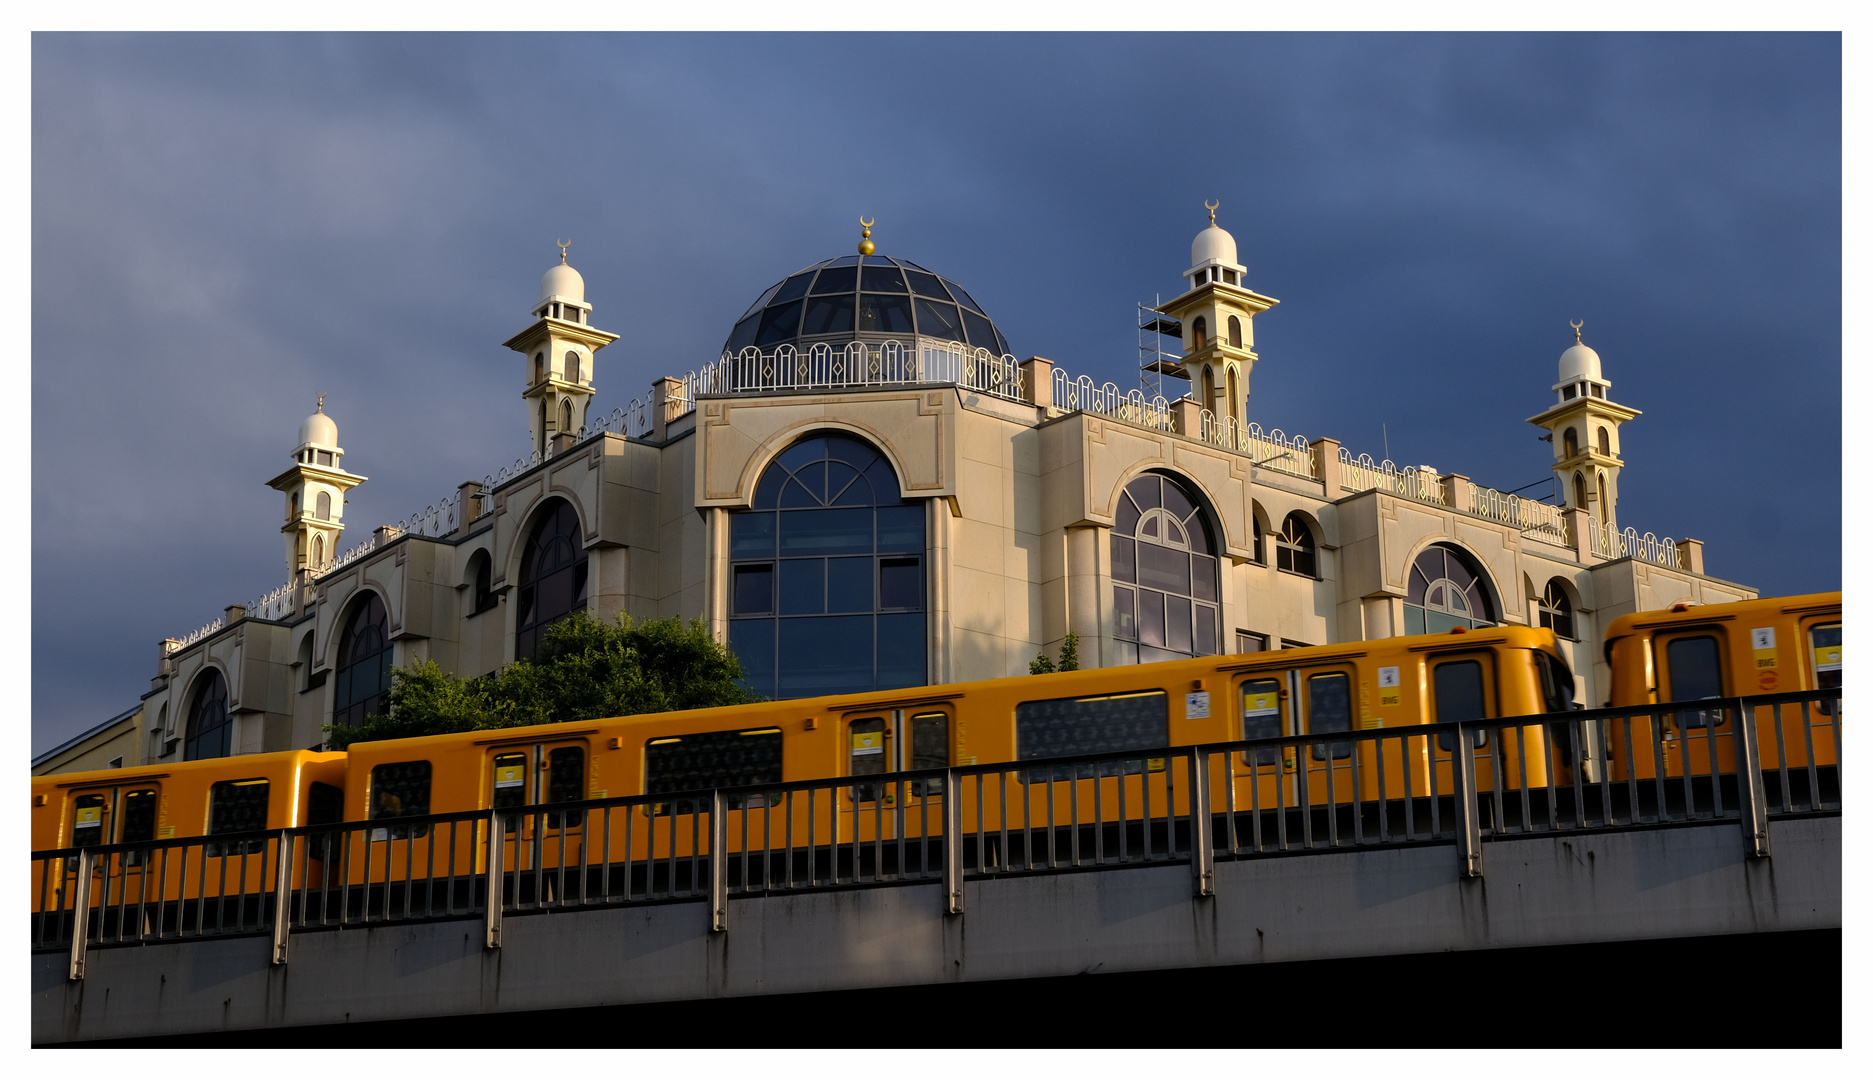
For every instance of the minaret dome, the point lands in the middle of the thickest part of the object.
(318, 430)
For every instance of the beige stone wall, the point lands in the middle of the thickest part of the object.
(124, 739)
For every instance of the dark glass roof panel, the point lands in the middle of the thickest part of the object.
(938, 320)
(927, 285)
(744, 333)
(957, 291)
(1001, 343)
(778, 324)
(837, 279)
(765, 297)
(828, 314)
(981, 334)
(849, 260)
(887, 314)
(883, 279)
(793, 288)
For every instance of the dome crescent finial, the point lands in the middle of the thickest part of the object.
(1576, 324)
(1212, 205)
(321, 403)
(563, 245)
(865, 246)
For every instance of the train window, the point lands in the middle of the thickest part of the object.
(1694, 672)
(1067, 727)
(1557, 683)
(929, 749)
(1824, 641)
(565, 781)
(1261, 718)
(713, 759)
(510, 783)
(139, 821)
(237, 806)
(400, 789)
(88, 821)
(1460, 696)
(867, 754)
(1330, 708)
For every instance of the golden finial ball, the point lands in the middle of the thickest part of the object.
(866, 247)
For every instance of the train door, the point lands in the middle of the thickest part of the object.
(527, 779)
(1463, 687)
(1326, 707)
(115, 815)
(888, 741)
(1821, 649)
(1691, 667)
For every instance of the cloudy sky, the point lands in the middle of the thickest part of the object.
(224, 227)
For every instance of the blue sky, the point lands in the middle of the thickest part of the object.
(225, 226)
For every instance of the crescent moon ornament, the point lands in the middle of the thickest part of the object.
(563, 245)
(865, 246)
(1576, 324)
(1211, 205)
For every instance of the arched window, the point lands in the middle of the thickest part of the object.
(1235, 395)
(1165, 585)
(1209, 389)
(292, 506)
(325, 506)
(1199, 332)
(318, 550)
(364, 655)
(827, 575)
(565, 415)
(481, 577)
(1235, 332)
(1294, 548)
(1255, 520)
(572, 367)
(1601, 502)
(1580, 492)
(539, 368)
(1446, 590)
(1557, 613)
(211, 729)
(1570, 443)
(552, 576)
(1606, 443)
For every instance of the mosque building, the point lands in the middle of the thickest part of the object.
(868, 490)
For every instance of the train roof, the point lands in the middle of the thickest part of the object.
(254, 763)
(1681, 614)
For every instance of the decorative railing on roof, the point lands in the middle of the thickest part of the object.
(857, 364)
(1420, 482)
(1537, 520)
(1268, 450)
(1609, 542)
(1130, 406)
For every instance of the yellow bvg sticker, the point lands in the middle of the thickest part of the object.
(867, 742)
(1827, 658)
(1268, 704)
(506, 776)
(90, 817)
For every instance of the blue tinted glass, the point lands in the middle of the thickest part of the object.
(849, 260)
(752, 641)
(1164, 568)
(848, 584)
(743, 335)
(938, 320)
(802, 586)
(883, 279)
(1124, 559)
(750, 536)
(981, 336)
(836, 280)
(957, 291)
(793, 288)
(884, 314)
(826, 532)
(1001, 343)
(1203, 577)
(829, 314)
(767, 492)
(812, 477)
(755, 308)
(800, 453)
(851, 451)
(901, 651)
(900, 583)
(778, 324)
(847, 487)
(926, 285)
(907, 263)
(883, 481)
(754, 589)
(900, 528)
(796, 494)
(828, 655)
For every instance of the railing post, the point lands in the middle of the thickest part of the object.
(1752, 801)
(282, 895)
(497, 847)
(1202, 841)
(1469, 836)
(718, 862)
(952, 844)
(81, 914)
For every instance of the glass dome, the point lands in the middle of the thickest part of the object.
(868, 298)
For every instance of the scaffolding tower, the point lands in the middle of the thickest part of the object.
(1153, 362)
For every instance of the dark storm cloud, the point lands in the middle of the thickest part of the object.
(226, 226)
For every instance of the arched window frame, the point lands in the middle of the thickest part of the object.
(1167, 575)
(1431, 607)
(1556, 610)
(210, 730)
(1199, 333)
(539, 368)
(552, 578)
(572, 366)
(1295, 549)
(364, 662)
(1606, 442)
(324, 505)
(1570, 443)
(565, 414)
(481, 583)
(1235, 332)
(1580, 492)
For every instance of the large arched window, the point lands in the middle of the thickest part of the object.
(211, 729)
(1557, 612)
(1294, 548)
(552, 576)
(1165, 585)
(364, 655)
(1447, 589)
(827, 575)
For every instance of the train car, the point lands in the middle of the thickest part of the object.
(180, 802)
(1696, 653)
(1326, 690)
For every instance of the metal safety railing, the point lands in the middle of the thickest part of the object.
(1458, 784)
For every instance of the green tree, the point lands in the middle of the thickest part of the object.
(1069, 657)
(585, 670)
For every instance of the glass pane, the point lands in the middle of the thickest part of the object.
(800, 453)
(826, 532)
(752, 641)
(1163, 568)
(750, 536)
(900, 528)
(767, 492)
(1203, 577)
(848, 584)
(926, 285)
(1436, 622)
(900, 583)
(884, 314)
(1151, 617)
(938, 320)
(981, 336)
(1068, 727)
(884, 484)
(712, 759)
(837, 279)
(1204, 623)
(743, 335)
(1692, 666)
(400, 789)
(1414, 620)
(565, 769)
(1459, 689)
(778, 324)
(1177, 623)
(139, 823)
(754, 590)
(1330, 708)
(1124, 559)
(1125, 522)
(883, 278)
(802, 586)
(1261, 717)
(1125, 613)
(901, 651)
(867, 757)
(755, 308)
(793, 288)
(847, 260)
(88, 821)
(828, 315)
(237, 806)
(957, 291)
(830, 655)
(1146, 491)
(844, 487)
(1177, 502)
(929, 741)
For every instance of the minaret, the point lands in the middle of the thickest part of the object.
(315, 490)
(1584, 427)
(1218, 315)
(559, 348)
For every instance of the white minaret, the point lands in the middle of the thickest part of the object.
(1218, 315)
(559, 348)
(315, 490)
(1584, 425)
